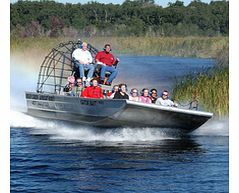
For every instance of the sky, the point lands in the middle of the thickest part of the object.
(163, 3)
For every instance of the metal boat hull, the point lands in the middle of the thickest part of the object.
(113, 113)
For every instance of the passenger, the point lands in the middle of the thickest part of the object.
(111, 94)
(107, 61)
(78, 88)
(83, 61)
(153, 95)
(121, 93)
(93, 91)
(145, 98)
(165, 101)
(134, 95)
(68, 89)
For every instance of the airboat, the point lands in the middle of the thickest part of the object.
(50, 102)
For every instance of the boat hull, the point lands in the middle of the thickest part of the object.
(113, 113)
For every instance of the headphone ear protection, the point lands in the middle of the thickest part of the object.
(104, 49)
(163, 92)
(153, 89)
(106, 46)
(131, 92)
(91, 82)
(142, 91)
(126, 88)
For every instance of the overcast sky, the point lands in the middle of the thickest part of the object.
(163, 3)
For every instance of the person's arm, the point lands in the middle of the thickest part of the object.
(85, 93)
(98, 59)
(116, 96)
(158, 101)
(90, 59)
(101, 94)
(112, 95)
(113, 62)
(173, 104)
(140, 99)
(116, 61)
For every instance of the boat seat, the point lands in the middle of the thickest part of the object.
(97, 73)
(107, 75)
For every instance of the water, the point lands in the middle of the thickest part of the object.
(53, 156)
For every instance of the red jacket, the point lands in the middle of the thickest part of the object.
(92, 92)
(106, 58)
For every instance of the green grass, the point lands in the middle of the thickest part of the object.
(210, 88)
(203, 47)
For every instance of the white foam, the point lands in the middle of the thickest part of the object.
(67, 132)
(64, 131)
(110, 135)
(22, 120)
(215, 127)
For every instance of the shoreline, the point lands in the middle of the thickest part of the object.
(199, 47)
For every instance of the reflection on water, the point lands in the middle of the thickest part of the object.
(166, 146)
(168, 164)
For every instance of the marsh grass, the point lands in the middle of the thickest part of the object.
(203, 47)
(210, 88)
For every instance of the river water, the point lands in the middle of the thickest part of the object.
(53, 156)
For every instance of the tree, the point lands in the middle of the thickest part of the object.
(134, 17)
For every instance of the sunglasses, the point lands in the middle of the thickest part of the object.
(165, 94)
(154, 93)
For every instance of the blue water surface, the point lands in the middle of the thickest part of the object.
(185, 164)
(159, 72)
(47, 156)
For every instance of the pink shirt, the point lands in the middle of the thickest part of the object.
(144, 99)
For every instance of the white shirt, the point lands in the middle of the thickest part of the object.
(166, 102)
(134, 98)
(84, 56)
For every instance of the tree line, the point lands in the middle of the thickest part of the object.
(131, 18)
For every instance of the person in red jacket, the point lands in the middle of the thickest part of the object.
(107, 61)
(93, 91)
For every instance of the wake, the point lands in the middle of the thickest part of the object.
(59, 130)
(63, 131)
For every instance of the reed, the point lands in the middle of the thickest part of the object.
(210, 88)
(204, 47)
